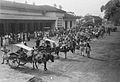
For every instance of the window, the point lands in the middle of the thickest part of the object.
(59, 22)
(66, 24)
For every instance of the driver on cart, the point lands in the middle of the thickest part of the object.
(22, 53)
(48, 46)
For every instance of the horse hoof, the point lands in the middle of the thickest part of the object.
(45, 69)
(88, 56)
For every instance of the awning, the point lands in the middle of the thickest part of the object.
(25, 17)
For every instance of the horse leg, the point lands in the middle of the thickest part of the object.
(102, 35)
(58, 55)
(74, 51)
(3, 61)
(36, 65)
(7, 61)
(33, 66)
(45, 66)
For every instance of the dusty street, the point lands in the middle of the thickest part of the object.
(103, 66)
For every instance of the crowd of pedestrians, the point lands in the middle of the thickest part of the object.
(79, 37)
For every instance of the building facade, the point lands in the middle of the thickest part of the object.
(20, 17)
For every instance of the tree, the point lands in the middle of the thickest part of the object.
(112, 11)
(90, 20)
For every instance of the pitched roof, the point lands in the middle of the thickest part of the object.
(25, 17)
(70, 16)
(27, 7)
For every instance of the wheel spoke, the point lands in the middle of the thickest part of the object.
(13, 63)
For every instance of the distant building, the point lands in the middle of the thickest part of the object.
(22, 17)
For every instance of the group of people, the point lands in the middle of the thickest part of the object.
(14, 38)
(85, 48)
(78, 38)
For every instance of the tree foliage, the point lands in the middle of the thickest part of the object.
(112, 11)
(90, 20)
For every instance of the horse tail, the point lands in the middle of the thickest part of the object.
(51, 58)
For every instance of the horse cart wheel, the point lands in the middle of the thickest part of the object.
(14, 63)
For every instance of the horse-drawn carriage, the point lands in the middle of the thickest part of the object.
(56, 47)
(21, 57)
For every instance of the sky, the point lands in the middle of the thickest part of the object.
(79, 7)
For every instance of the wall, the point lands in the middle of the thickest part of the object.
(60, 22)
(59, 18)
(68, 23)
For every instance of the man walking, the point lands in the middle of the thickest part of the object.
(37, 43)
(88, 49)
(5, 55)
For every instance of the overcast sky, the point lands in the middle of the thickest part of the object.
(79, 7)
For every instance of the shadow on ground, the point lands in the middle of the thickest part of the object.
(99, 59)
(38, 72)
(74, 59)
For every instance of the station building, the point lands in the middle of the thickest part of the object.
(21, 17)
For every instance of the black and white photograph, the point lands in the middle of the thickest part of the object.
(59, 40)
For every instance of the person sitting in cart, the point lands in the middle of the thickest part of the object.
(5, 55)
(25, 49)
(22, 53)
(48, 46)
(42, 47)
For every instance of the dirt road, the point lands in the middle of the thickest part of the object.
(103, 66)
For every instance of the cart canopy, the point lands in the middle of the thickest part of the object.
(51, 41)
(24, 47)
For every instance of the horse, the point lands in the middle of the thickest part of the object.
(46, 57)
(42, 57)
(34, 59)
(61, 48)
(64, 48)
